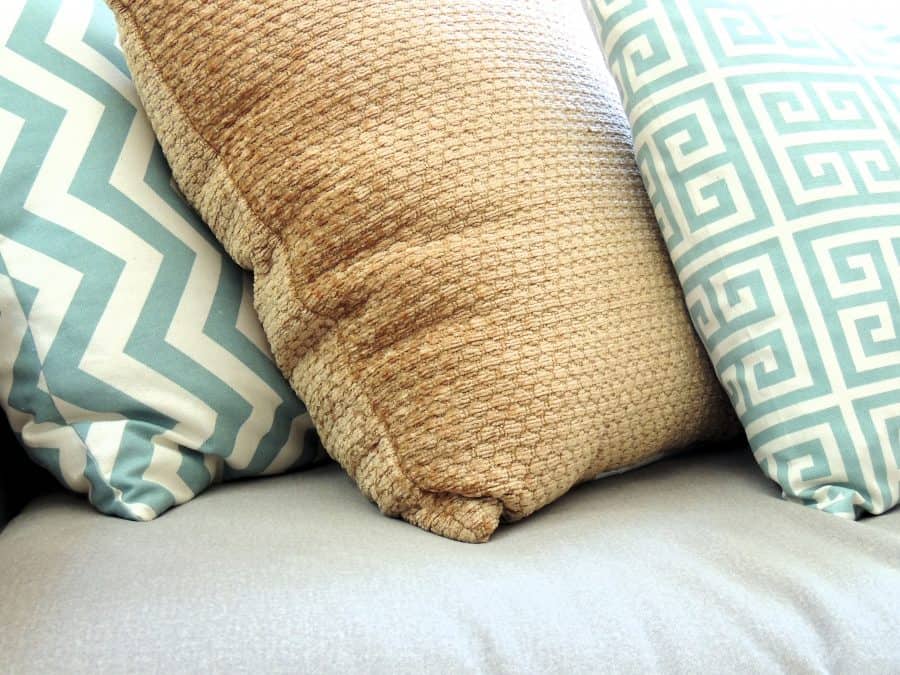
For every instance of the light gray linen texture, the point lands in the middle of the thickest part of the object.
(693, 564)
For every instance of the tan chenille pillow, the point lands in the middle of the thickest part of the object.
(455, 259)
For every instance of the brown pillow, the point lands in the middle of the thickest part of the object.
(455, 260)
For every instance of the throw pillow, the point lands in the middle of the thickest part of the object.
(768, 134)
(132, 364)
(454, 258)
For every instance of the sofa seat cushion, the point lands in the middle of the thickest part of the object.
(692, 564)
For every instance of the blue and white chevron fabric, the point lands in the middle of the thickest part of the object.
(132, 364)
(768, 136)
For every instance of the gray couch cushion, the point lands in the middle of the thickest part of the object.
(691, 564)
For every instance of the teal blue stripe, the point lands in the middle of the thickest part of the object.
(820, 469)
(732, 156)
(101, 35)
(101, 271)
(147, 343)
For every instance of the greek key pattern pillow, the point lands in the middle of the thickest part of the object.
(132, 364)
(769, 142)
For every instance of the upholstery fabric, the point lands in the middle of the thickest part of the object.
(690, 565)
(454, 258)
(768, 134)
(132, 363)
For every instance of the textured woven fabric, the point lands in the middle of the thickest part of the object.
(455, 260)
(769, 138)
(132, 364)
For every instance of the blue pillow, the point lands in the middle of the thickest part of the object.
(768, 136)
(132, 364)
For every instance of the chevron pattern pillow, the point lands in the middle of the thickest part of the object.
(768, 136)
(132, 364)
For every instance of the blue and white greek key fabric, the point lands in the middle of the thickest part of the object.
(132, 364)
(768, 136)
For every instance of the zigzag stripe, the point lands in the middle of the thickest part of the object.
(105, 356)
(255, 443)
(154, 321)
(185, 333)
(40, 436)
